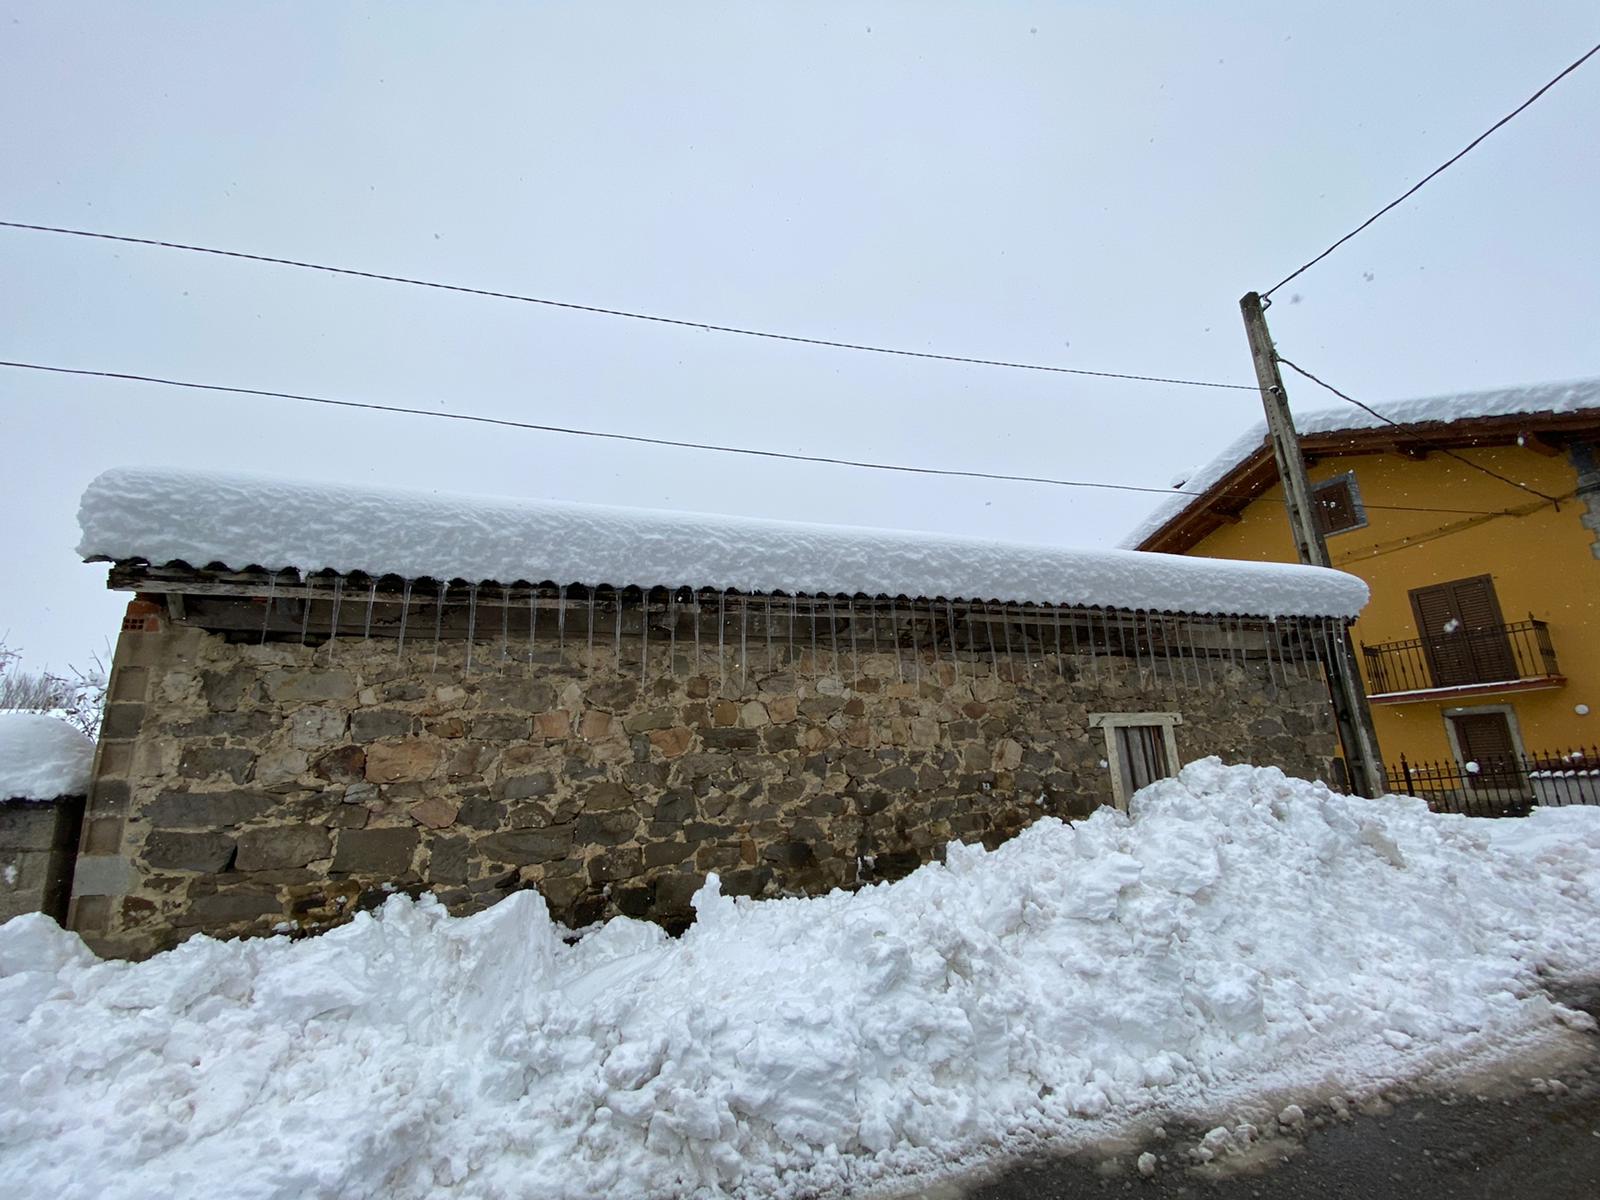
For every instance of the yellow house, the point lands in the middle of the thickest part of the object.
(1476, 521)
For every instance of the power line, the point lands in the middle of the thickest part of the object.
(618, 312)
(1439, 170)
(372, 406)
(1420, 441)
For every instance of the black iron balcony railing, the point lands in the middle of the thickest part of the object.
(1462, 658)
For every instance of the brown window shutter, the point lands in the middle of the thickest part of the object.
(1335, 506)
(1462, 631)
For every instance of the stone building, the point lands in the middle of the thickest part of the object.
(321, 695)
(44, 775)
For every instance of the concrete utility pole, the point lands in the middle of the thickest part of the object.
(1349, 697)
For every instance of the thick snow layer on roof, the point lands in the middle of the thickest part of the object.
(1243, 940)
(200, 518)
(1503, 402)
(42, 757)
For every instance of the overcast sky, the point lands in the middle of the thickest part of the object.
(1089, 185)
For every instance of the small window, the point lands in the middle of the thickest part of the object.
(1140, 749)
(1338, 504)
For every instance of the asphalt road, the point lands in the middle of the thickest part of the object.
(1502, 1139)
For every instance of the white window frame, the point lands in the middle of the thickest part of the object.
(1109, 723)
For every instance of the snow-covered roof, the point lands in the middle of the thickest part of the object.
(239, 521)
(42, 757)
(1575, 396)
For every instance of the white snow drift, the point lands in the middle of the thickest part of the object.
(242, 521)
(1242, 934)
(42, 757)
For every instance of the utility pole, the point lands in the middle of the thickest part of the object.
(1349, 697)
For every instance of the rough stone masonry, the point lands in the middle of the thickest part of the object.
(245, 787)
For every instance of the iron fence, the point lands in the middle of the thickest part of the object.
(1462, 657)
(1505, 786)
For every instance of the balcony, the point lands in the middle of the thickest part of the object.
(1465, 662)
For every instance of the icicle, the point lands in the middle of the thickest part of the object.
(266, 617)
(744, 642)
(955, 657)
(1144, 647)
(438, 623)
(616, 637)
(894, 634)
(1072, 639)
(794, 617)
(1022, 626)
(1005, 628)
(589, 633)
(1325, 629)
(305, 610)
(994, 654)
(505, 623)
(816, 665)
(1161, 656)
(372, 600)
(1201, 650)
(855, 657)
(644, 634)
(333, 619)
(672, 631)
(405, 613)
(561, 622)
(833, 637)
(766, 622)
(874, 611)
(722, 653)
(697, 615)
(533, 620)
(1095, 643)
(972, 639)
(1186, 631)
(916, 646)
(1061, 671)
(472, 622)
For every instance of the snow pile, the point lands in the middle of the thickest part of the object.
(242, 521)
(1241, 935)
(42, 757)
(1502, 402)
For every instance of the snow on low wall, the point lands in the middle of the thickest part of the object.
(241, 521)
(245, 785)
(44, 774)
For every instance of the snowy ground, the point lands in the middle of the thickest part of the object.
(1242, 936)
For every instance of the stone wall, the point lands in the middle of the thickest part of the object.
(244, 787)
(38, 840)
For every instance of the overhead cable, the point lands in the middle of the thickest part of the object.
(618, 312)
(1423, 442)
(654, 441)
(1416, 187)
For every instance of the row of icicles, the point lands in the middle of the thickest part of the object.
(1286, 648)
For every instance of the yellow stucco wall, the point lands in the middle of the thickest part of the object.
(1542, 564)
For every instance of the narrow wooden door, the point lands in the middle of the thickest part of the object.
(1485, 743)
(1463, 634)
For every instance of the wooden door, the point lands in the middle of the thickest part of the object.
(1484, 740)
(1463, 634)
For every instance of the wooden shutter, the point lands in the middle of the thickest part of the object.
(1485, 739)
(1463, 634)
(1335, 506)
(1143, 750)
(1438, 626)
